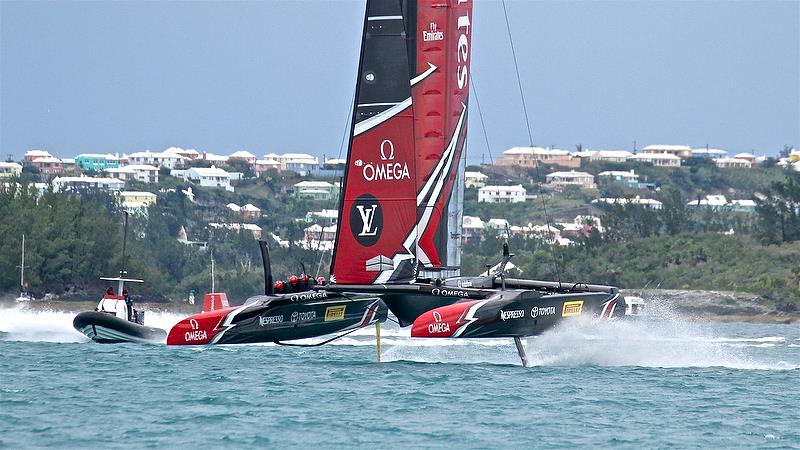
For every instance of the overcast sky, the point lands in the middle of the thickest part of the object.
(278, 76)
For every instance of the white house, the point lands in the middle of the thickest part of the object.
(733, 163)
(502, 194)
(658, 159)
(475, 179)
(31, 155)
(243, 155)
(628, 177)
(74, 184)
(138, 172)
(10, 169)
(327, 215)
(471, 228)
(572, 178)
(160, 159)
(646, 202)
(611, 155)
(136, 200)
(189, 153)
(315, 190)
(528, 156)
(206, 176)
(681, 151)
(301, 163)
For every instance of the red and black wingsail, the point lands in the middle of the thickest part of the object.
(399, 205)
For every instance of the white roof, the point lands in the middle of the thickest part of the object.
(471, 222)
(570, 174)
(122, 169)
(497, 223)
(37, 153)
(209, 171)
(475, 175)
(86, 179)
(636, 200)
(11, 164)
(326, 213)
(732, 160)
(744, 202)
(250, 207)
(233, 207)
(46, 159)
(242, 154)
(710, 200)
(297, 156)
(149, 154)
(663, 147)
(316, 228)
(272, 156)
(97, 155)
(515, 188)
(655, 156)
(618, 173)
(213, 157)
(176, 150)
(236, 226)
(142, 167)
(336, 161)
(744, 155)
(318, 184)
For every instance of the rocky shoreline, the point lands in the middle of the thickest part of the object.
(723, 306)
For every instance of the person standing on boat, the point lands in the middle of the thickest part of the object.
(128, 304)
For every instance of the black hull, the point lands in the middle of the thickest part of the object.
(280, 318)
(107, 328)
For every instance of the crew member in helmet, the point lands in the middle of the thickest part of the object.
(293, 284)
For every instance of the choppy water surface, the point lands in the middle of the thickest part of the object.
(633, 384)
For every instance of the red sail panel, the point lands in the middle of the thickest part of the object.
(375, 242)
(444, 29)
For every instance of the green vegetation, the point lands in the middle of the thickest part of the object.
(73, 239)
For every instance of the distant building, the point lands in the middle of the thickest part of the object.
(10, 169)
(528, 156)
(136, 200)
(475, 179)
(300, 163)
(628, 178)
(263, 165)
(747, 157)
(243, 155)
(331, 168)
(681, 151)
(582, 180)
(658, 159)
(319, 233)
(211, 177)
(48, 165)
(618, 156)
(215, 159)
(315, 190)
(502, 194)
(721, 203)
(708, 153)
(646, 202)
(96, 162)
(135, 172)
(248, 211)
(733, 163)
(188, 153)
(84, 183)
(471, 228)
(160, 159)
(31, 155)
(326, 215)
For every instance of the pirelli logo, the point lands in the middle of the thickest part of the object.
(333, 313)
(572, 309)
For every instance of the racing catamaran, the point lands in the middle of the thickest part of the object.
(399, 227)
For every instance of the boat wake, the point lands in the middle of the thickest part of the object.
(663, 341)
(21, 323)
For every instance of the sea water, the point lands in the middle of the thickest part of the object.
(667, 382)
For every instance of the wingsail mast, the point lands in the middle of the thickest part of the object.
(403, 185)
(22, 267)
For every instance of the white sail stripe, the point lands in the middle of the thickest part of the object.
(423, 75)
(385, 18)
(374, 121)
(397, 260)
(426, 216)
